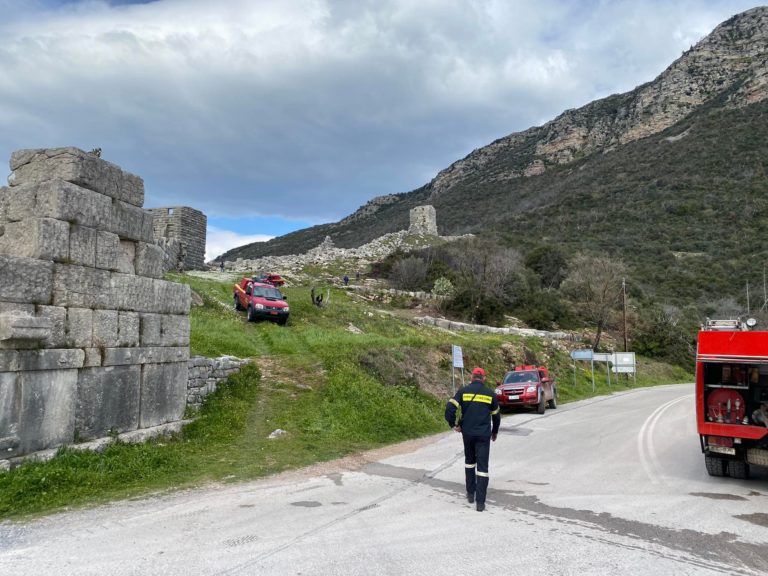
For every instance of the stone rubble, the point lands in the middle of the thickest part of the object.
(353, 258)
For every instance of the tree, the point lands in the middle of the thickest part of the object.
(487, 279)
(550, 263)
(593, 284)
(408, 273)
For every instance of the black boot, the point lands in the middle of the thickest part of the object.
(480, 507)
(470, 497)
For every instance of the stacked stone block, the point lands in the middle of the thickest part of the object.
(92, 340)
(205, 374)
(423, 220)
(182, 233)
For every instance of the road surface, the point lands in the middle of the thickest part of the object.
(612, 485)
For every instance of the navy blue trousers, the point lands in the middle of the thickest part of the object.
(477, 449)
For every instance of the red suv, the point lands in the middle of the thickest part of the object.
(262, 301)
(274, 279)
(527, 385)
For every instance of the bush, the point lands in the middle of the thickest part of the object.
(543, 309)
(662, 335)
(442, 287)
(483, 310)
(408, 273)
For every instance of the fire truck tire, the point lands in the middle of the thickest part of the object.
(251, 315)
(542, 405)
(553, 403)
(238, 306)
(715, 466)
(738, 469)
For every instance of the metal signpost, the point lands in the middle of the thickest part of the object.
(608, 359)
(458, 362)
(587, 354)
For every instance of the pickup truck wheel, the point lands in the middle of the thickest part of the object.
(715, 466)
(238, 306)
(738, 469)
(542, 405)
(553, 403)
(251, 314)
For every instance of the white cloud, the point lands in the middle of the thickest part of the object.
(308, 108)
(219, 241)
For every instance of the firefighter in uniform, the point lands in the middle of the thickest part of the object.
(478, 408)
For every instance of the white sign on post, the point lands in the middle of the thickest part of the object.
(458, 358)
(624, 362)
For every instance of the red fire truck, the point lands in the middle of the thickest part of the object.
(732, 397)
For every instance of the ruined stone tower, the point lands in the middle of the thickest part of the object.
(182, 233)
(92, 340)
(423, 221)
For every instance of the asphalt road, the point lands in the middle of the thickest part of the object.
(612, 485)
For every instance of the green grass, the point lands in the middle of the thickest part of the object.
(333, 391)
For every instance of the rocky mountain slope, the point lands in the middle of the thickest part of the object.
(673, 152)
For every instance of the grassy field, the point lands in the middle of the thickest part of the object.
(339, 379)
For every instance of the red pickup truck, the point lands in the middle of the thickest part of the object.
(262, 301)
(527, 385)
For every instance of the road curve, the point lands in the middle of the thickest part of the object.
(608, 485)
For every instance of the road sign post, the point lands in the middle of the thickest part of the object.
(586, 354)
(458, 362)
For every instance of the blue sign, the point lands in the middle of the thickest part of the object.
(582, 354)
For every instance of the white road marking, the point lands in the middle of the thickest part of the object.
(645, 446)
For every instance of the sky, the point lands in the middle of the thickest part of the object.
(274, 115)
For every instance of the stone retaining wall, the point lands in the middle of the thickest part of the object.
(393, 292)
(461, 326)
(205, 374)
(92, 341)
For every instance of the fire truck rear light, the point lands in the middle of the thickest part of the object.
(719, 441)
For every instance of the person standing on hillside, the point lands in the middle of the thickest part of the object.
(479, 425)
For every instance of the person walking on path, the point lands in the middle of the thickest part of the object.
(479, 425)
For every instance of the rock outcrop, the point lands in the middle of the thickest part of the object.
(730, 63)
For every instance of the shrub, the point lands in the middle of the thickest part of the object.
(408, 273)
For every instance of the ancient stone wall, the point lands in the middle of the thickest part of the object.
(92, 340)
(423, 220)
(182, 232)
(205, 374)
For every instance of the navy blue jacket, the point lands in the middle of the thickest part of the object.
(478, 408)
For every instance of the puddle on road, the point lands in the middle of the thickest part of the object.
(755, 493)
(717, 496)
(758, 518)
(307, 503)
(336, 478)
(247, 505)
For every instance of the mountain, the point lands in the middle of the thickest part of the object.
(669, 176)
